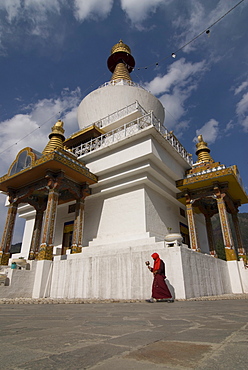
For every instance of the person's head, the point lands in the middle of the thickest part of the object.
(155, 256)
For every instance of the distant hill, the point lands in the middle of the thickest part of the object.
(243, 223)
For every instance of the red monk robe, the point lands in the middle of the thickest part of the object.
(159, 287)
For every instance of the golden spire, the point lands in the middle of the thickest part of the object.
(121, 62)
(203, 151)
(121, 73)
(56, 138)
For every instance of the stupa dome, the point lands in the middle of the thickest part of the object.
(120, 92)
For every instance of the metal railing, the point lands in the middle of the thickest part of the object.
(131, 108)
(129, 129)
(120, 81)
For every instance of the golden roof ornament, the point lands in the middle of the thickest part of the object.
(121, 62)
(120, 46)
(203, 151)
(56, 138)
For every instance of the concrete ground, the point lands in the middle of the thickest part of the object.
(194, 334)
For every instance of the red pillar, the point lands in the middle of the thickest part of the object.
(8, 234)
(47, 243)
(194, 244)
(35, 242)
(225, 227)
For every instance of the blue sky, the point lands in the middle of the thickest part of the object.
(54, 52)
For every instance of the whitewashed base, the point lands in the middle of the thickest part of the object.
(122, 274)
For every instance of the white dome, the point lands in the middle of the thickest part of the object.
(106, 100)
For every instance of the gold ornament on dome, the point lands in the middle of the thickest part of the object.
(56, 138)
(120, 46)
(203, 151)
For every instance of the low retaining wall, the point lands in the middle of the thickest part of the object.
(121, 273)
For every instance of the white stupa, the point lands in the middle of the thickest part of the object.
(132, 210)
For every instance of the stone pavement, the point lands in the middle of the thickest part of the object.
(202, 334)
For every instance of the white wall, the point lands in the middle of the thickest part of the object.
(160, 214)
(135, 196)
(204, 275)
(201, 232)
(103, 273)
(243, 270)
(121, 273)
(115, 218)
(26, 240)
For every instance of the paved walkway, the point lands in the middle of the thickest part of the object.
(201, 334)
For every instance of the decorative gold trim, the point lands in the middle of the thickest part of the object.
(4, 258)
(62, 157)
(202, 177)
(33, 158)
(76, 249)
(230, 254)
(194, 244)
(83, 131)
(120, 47)
(46, 252)
(121, 73)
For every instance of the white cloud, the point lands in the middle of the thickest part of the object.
(40, 18)
(241, 87)
(36, 8)
(244, 123)
(11, 7)
(242, 111)
(197, 16)
(230, 125)
(176, 86)
(209, 131)
(92, 8)
(242, 106)
(44, 113)
(32, 129)
(179, 73)
(189, 23)
(26, 17)
(138, 10)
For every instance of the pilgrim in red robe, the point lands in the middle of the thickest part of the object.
(159, 287)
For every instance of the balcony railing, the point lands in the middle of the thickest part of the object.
(129, 109)
(120, 81)
(129, 129)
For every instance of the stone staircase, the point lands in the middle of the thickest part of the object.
(20, 283)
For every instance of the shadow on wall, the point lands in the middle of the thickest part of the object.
(92, 218)
(171, 288)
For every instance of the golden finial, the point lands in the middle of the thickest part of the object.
(120, 46)
(121, 62)
(203, 151)
(56, 138)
